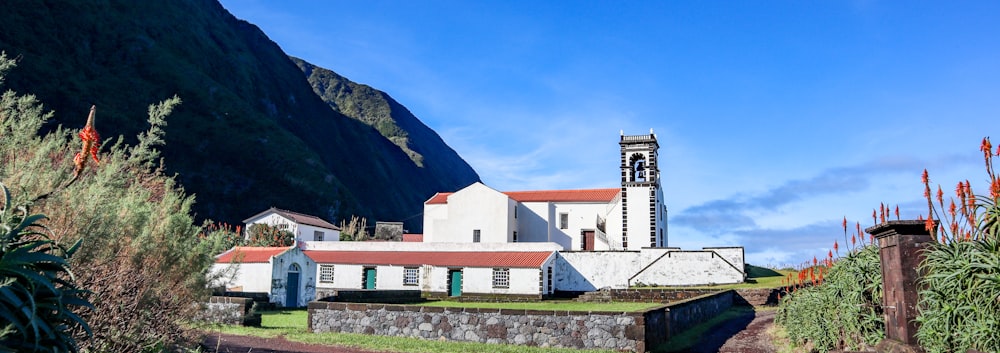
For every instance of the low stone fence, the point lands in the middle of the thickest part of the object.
(545, 328)
(230, 311)
(758, 297)
(624, 331)
(687, 313)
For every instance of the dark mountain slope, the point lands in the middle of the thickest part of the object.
(251, 132)
(376, 108)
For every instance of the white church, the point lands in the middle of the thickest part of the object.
(481, 241)
(628, 218)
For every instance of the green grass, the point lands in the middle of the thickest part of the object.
(292, 324)
(560, 305)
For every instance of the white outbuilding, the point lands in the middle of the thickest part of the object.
(305, 227)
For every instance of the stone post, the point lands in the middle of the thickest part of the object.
(900, 244)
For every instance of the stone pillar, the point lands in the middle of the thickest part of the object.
(900, 244)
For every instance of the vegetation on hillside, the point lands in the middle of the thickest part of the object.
(141, 259)
(251, 134)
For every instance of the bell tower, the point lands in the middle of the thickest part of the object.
(644, 215)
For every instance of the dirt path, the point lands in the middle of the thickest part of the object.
(746, 333)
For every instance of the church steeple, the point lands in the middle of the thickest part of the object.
(643, 210)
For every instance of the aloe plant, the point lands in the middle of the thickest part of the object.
(37, 293)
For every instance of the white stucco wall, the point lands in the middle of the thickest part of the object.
(582, 215)
(425, 246)
(689, 268)
(480, 280)
(637, 200)
(435, 222)
(588, 271)
(474, 207)
(239, 277)
(733, 254)
(279, 270)
(271, 219)
(306, 232)
(533, 222)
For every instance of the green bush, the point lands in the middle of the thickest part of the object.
(844, 311)
(142, 258)
(37, 293)
(268, 235)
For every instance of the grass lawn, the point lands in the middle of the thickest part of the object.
(560, 305)
(292, 324)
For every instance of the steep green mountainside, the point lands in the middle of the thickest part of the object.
(376, 108)
(251, 132)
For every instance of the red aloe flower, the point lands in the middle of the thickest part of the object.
(854, 240)
(929, 224)
(815, 261)
(830, 254)
(90, 139)
(845, 223)
(836, 247)
(897, 212)
(924, 178)
(986, 146)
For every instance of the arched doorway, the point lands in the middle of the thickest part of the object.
(292, 289)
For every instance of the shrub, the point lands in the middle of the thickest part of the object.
(141, 258)
(960, 296)
(37, 293)
(268, 235)
(844, 308)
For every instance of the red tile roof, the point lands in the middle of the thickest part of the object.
(300, 218)
(250, 254)
(517, 259)
(581, 195)
(415, 238)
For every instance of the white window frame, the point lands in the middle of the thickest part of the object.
(564, 220)
(477, 235)
(411, 276)
(501, 278)
(318, 235)
(326, 278)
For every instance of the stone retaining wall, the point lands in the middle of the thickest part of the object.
(544, 328)
(685, 314)
(758, 297)
(229, 310)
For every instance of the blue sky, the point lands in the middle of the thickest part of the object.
(775, 119)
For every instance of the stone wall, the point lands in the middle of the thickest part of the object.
(230, 311)
(687, 313)
(758, 297)
(544, 328)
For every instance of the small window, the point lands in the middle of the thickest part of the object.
(476, 236)
(411, 276)
(501, 277)
(564, 221)
(325, 273)
(318, 236)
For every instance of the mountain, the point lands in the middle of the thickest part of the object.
(252, 132)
